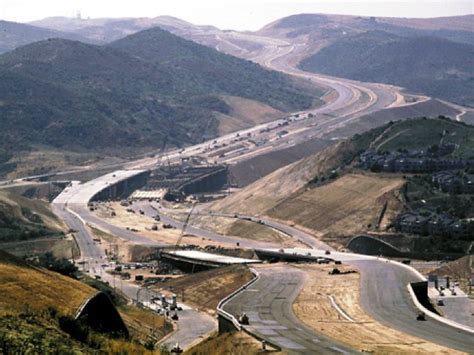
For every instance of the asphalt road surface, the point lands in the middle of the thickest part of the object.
(268, 304)
(385, 297)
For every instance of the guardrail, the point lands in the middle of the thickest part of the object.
(221, 312)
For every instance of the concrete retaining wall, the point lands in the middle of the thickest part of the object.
(123, 188)
(420, 289)
(368, 245)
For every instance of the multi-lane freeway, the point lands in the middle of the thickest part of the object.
(384, 297)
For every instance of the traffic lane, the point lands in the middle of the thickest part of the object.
(459, 308)
(87, 247)
(293, 232)
(384, 296)
(268, 304)
(193, 326)
(89, 217)
(296, 234)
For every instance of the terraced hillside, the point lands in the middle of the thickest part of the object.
(346, 206)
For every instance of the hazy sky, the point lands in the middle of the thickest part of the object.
(228, 14)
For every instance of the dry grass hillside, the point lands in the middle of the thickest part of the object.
(346, 206)
(207, 288)
(37, 309)
(23, 286)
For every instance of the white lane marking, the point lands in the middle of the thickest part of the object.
(339, 310)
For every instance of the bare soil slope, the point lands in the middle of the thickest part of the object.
(345, 206)
(245, 113)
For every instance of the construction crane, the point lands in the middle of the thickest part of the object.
(185, 224)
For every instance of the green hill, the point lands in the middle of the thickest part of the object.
(212, 71)
(430, 65)
(140, 92)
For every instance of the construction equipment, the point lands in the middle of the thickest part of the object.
(244, 319)
(185, 224)
(176, 349)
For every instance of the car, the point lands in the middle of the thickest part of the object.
(440, 303)
(420, 316)
(327, 252)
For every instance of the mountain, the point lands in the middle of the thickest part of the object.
(110, 29)
(13, 35)
(214, 71)
(150, 89)
(429, 65)
(327, 28)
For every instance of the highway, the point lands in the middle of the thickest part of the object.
(383, 292)
(295, 233)
(350, 101)
(385, 298)
(268, 304)
(390, 304)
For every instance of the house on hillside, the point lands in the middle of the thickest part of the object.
(412, 222)
(452, 182)
(440, 224)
